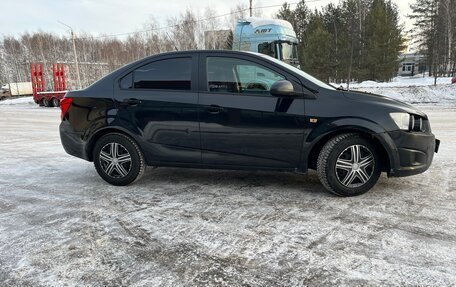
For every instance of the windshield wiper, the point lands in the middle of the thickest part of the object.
(339, 88)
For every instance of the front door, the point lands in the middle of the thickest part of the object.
(241, 123)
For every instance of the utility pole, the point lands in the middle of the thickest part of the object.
(75, 55)
(251, 8)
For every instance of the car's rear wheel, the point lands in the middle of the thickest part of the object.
(348, 165)
(118, 159)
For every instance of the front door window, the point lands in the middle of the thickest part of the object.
(231, 75)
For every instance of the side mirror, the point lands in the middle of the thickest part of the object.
(282, 88)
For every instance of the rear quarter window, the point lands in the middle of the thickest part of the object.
(169, 74)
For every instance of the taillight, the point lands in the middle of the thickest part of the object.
(65, 104)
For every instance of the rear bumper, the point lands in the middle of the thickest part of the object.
(72, 141)
(413, 152)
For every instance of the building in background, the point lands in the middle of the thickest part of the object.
(411, 64)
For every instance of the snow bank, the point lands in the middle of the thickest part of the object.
(440, 94)
(416, 81)
(17, 101)
(415, 90)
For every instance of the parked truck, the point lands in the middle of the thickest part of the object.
(272, 37)
(4, 91)
(41, 95)
(16, 89)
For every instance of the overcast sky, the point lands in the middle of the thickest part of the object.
(120, 16)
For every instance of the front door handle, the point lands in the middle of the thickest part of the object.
(214, 109)
(132, 101)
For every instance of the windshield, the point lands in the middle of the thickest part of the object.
(303, 74)
(289, 50)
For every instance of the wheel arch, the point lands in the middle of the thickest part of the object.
(318, 143)
(104, 131)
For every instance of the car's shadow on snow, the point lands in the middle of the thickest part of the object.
(170, 180)
(232, 179)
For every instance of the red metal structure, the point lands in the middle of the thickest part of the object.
(40, 95)
(453, 81)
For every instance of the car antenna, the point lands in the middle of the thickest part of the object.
(175, 47)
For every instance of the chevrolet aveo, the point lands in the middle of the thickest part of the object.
(241, 110)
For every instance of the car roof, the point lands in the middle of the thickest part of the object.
(186, 52)
(206, 51)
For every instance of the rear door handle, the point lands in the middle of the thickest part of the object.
(214, 109)
(131, 101)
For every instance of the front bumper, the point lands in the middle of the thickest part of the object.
(414, 152)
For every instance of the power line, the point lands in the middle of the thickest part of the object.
(197, 21)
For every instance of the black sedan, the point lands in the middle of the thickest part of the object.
(241, 110)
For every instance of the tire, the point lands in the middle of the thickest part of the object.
(348, 165)
(46, 103)
(55, 102)
(113, 166)
(41, 103)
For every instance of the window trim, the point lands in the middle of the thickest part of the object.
(121, 78)
(131, 71)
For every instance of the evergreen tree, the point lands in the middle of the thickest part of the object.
(317, 53)
(354, 40)
(285, 13)
(353, 15)
(383, 42)
(299, 19)
(332, 20)
(435, 32)
(425, 16)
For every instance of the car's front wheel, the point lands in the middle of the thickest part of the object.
(348, 165)
(118, 159)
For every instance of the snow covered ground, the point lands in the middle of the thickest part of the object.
(61, 225)
(415, 81)
(442, 95)
(414, 90)
(18, 101)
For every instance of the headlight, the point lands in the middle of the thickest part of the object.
(402, 120)
(407, 122)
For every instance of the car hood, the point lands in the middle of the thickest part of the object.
(395, 105)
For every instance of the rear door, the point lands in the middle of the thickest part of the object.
(241, 123)
(158, 101)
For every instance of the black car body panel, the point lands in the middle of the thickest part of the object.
(196, 127)
(166, 120)
(250, 130)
